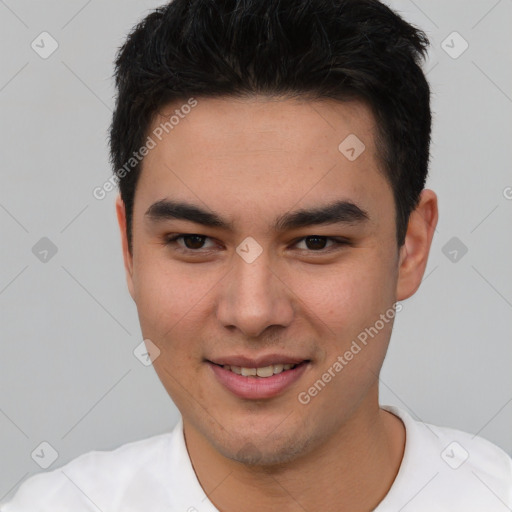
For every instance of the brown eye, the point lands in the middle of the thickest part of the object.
(193, 241)
(316, 243)
(188, 241)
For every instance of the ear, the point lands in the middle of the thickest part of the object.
(418, 239)
(128, 259)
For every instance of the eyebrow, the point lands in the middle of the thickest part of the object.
(341, 211)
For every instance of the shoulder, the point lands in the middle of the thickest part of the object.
(93, 480)
(475, 460)
(456, 470)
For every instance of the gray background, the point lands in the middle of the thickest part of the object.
(68, 325)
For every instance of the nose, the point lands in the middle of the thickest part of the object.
(254, 297)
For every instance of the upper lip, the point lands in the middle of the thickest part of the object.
(257, 362)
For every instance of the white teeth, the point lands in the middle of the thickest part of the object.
(278, 368)
(265, 371)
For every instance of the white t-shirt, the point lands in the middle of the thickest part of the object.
(443, 469)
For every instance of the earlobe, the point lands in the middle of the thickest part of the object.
(414, 253)
(127, 256)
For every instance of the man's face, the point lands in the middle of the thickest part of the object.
(305, 297)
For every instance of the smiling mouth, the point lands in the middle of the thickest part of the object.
(262, 372)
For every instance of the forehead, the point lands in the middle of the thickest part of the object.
(253, 158)
(262, 124)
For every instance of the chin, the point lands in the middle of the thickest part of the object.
(264, 450)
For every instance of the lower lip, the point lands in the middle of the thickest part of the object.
(257, 387)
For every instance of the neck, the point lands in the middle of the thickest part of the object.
(352, 470)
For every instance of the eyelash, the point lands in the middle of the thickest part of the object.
(338, 241)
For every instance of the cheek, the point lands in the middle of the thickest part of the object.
(169, 303)
(349, 297)
(172, 303)
(346, 308)
(164, 292)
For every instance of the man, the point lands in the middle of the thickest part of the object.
(272, 159)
